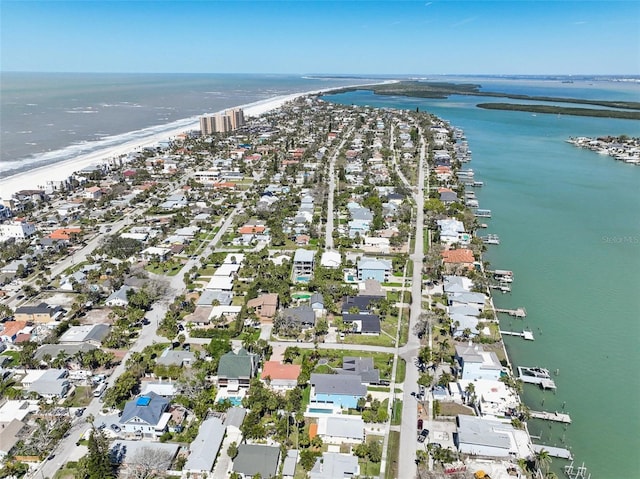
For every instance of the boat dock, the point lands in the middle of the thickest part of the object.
(559, 452)
(518, 313)
(579, 473)
(501, 287)
(482, 213)
(551, 416)
(490, 239)
(528, 335)
(539, 376)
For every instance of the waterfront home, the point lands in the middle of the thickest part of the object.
(488, 438)
(204, 449)
(494, 399)
(339, 390)
(458, 259)
(447, 196)
(474, 299)
(256, 460)
(341, 429)
(452, 231)
(464, 326)
(280, 377)
(147, 415)
(476, 363)
(334, 465)
(372, 268)
(236, 369)
(457, 284)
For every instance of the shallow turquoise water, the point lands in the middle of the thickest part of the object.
(569, 224)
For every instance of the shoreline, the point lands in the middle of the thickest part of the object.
(37, 177)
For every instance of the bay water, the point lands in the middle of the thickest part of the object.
(569, 224)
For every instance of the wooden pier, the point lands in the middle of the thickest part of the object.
(518, 313)
(482, 213)
(551, 416)
(528, 335)
(490, 239)
(539, 376)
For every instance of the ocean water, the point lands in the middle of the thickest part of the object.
(569, 224)
(50, 117)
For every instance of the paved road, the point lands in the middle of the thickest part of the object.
(407, 465)
(328, 230)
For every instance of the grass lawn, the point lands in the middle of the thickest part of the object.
(82, 396)
(381, 340)
(401, 370)
(396, 413)
(393, 452)
(65, 473)
(453, 409)
(14, 355)
(382, 361)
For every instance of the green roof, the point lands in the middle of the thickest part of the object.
(236, 365)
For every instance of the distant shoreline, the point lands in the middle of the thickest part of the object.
(629, 110)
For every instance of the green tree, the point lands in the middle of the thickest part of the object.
(232, 451)
(96, 464)
(374, 451)
(543, 460)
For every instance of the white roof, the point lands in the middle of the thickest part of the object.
(218, 311)
(330, 258)
(341, 426)
(227, 270)
(17, 409)
(222, 283)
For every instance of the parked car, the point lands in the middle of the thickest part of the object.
(420, 423)
(115, 427)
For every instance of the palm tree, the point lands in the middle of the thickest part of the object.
(543, 459)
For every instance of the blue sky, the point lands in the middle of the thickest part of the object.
(361, 37)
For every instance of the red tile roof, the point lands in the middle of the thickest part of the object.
(458, 256)
(276, 370)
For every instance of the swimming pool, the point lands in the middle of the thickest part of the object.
(235, 400)
(318, 410)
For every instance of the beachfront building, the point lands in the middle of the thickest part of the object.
(488, 438)
(224, 122)
(17, 230)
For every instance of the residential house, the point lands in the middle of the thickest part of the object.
(447, 196)
(257, 459)
(303, 315)
(488, 438)
(136, 458)
(458, 259)
(358, 304)
(476, 363)
(372, 288)
(367, 324)
(42, 313)
(119, 297)
(265, 306)
(18, 230)
(11, 329)
(371, 268)
(362, 367)
(341, 428)
(147, 415)
(52, 383)
(335, 465)
(280, 377)
(176, 357)
(204, 449)
(317, 303)
(303, 262)
(236, 369)
(452, 231)
(331, 259)
(93, 334)
(9, 436)
(340, 390)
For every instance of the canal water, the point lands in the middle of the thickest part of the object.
(569, 224)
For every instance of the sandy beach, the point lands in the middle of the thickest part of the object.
(37, 177)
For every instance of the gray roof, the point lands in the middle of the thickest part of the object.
(41, 308)
(149, 409)
(316, 298)
(235, 416)
(360, 366)
(483, 432)
(467, 297)
(370, 323)
(362, 214)
(334, 465)
(345, 426)
(301, 314)
(289, 466)
(175, 357)
(208, 296)
(205, 447)
(52, 383)
(91, 332)
(69, 349)
(121, 294)
(255, 459)
(304, 255)
(339, 384)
